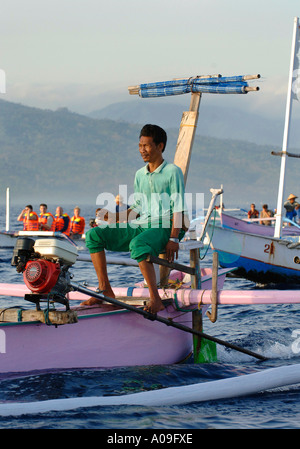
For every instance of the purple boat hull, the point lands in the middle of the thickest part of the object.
(107, 339)
(227, 221)
(103, 337)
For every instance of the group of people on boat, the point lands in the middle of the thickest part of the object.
(291, 206)
(45, 221)
(264, 216)
(61, 221)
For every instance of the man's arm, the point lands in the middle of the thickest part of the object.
(21, 216)
(173, 245)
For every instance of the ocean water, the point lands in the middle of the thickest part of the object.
(264, 329)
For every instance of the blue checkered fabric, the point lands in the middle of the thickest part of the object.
(214, 85)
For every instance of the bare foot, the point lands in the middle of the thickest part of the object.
(95, 301)
(154, 306)
(92, 302)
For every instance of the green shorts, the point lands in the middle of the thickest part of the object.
(141, 242)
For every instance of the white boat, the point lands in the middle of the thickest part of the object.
(258, 258)
(8, 238)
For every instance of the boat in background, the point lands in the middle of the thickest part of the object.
(8, 238)
(264, 254)
(254, 227)
(258, 258)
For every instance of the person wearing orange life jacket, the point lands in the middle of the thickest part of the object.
(62, 221)
(30, 219)
(77, 224)
(46, 219)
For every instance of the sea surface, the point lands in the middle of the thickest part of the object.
(264, 329)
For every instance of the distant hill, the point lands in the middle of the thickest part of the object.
(220, 122)
(59, 156)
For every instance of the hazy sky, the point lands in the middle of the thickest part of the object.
(84, 54)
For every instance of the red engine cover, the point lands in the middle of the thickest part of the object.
(41, 275)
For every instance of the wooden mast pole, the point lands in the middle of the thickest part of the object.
(186, 135)
(182, 159)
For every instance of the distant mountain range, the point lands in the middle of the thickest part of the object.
(220, 122)
(58, 156)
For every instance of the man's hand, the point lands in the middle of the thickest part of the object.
(172, 250)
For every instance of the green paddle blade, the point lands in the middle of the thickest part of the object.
(207, 352)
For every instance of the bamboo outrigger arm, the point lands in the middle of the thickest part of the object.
(202, 84)
(284, 153)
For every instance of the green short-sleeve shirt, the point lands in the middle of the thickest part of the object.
(157, 195)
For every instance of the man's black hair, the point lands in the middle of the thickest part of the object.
(158, 134)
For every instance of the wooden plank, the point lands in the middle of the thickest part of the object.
(183, 155)
(187, 245)
(57, 317)
(186, 135)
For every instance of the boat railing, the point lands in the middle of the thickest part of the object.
(285, 220)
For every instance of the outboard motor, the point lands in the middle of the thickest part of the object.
(45, 266)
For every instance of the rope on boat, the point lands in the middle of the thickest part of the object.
(20, 310)
(46, 312)
(232, 387)
(178, 306)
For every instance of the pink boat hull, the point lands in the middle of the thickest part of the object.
(108, 339)
(230, 222)
(102, 338)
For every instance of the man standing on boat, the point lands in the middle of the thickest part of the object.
(154, 223)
